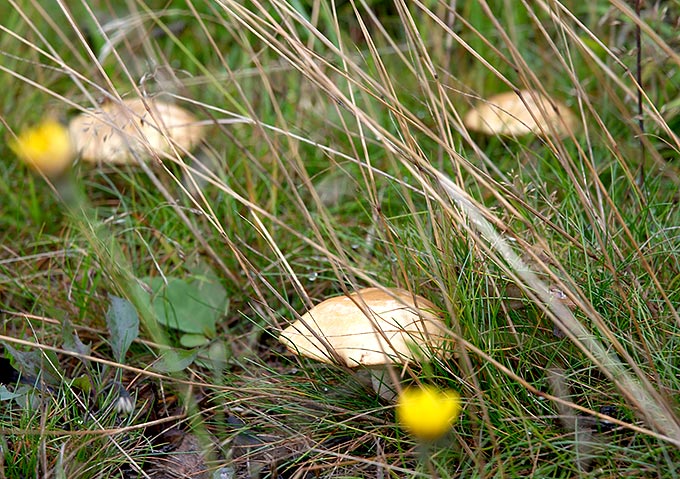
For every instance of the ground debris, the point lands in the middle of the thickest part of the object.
(186, 460)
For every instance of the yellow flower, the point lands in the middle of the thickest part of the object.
(428, 412)
(46, 147)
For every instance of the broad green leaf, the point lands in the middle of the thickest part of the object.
(36, 364)
(215, 356)
(72, 341)
(82, 383)
(218, 353)
(123, 324)
(174, 360)
(6, 394)
(193, 340)
(191, 307)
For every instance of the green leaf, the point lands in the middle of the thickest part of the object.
(36, 364)
(82, 383)
(218, 353)
(174, 360)
(123, 324)
(6, 394)
(191, 307)
(193, 340)
(72, 341)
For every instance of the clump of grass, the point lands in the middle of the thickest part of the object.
(337, 159)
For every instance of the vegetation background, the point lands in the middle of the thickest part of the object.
(336, 158)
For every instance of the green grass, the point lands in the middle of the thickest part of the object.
(345, 169)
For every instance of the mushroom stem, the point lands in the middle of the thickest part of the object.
(383, 382)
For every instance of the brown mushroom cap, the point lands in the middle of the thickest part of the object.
(113, 132)
(510, 114)
(388, 335)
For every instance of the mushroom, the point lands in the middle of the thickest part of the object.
(521, 113)
(371, 328)
(116, 133)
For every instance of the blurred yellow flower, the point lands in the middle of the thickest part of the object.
(427, 412)
(46, 147)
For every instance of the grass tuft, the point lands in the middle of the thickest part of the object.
(336, 158)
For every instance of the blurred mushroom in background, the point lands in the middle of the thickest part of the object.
(121, 133)
(522, 113)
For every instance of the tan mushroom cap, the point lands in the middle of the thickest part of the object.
(506, 114)
(355, 337)
(111, 133)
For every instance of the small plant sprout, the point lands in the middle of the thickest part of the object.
(523, 113)
(46, 148)
(427, 412)
(119, 133)
(372, 329)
